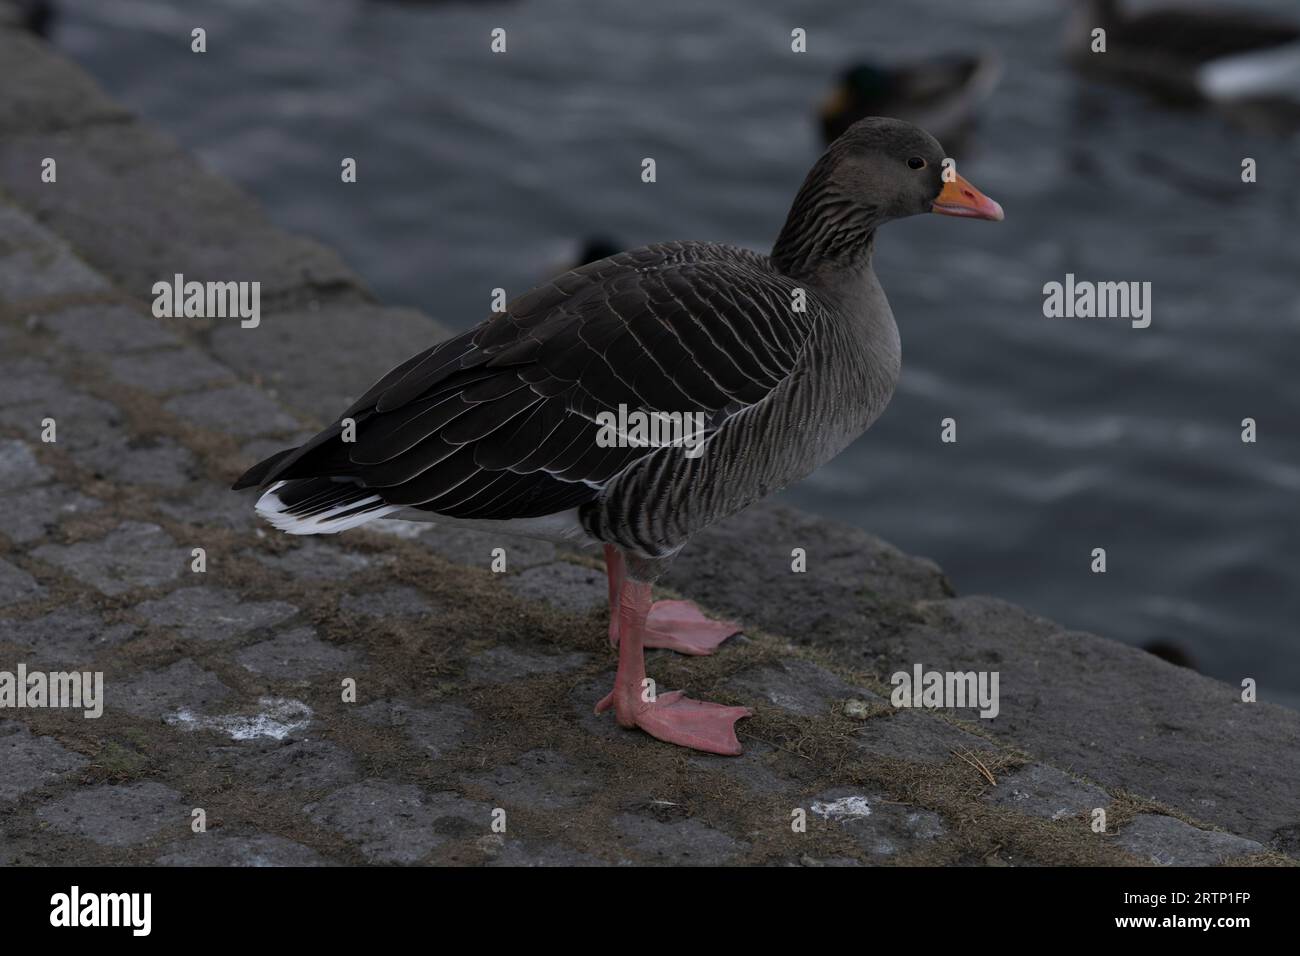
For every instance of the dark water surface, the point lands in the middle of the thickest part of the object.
(479, 171)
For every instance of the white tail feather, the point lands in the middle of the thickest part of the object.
(270, 507)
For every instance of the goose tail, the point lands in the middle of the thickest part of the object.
(320, 506)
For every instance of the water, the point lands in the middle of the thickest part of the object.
(479, 171)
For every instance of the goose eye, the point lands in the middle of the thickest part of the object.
(916, 162)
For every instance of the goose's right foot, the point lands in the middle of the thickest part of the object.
(672, 625)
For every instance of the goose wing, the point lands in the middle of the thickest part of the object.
(501, 421)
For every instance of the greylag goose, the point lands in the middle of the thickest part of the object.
(1189, 55)
(782, 360)
(941, 94)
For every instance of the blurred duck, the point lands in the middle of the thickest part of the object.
(941, 94)
(589, 249)
(35, 15)
(1170, 651)
(596, 247)
(1191, 55)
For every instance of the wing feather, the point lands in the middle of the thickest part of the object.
(501, 421)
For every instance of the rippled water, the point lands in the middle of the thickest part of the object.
(479, 171)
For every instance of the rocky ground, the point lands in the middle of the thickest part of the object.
(474, 689)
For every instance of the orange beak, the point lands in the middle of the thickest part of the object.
(960, 198)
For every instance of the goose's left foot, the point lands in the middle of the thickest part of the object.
(672, 625)
(677, 719)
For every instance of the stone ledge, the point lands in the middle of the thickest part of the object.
(44, 93)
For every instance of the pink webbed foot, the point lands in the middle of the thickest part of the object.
(672, 625)
(682, 627)
(677, 719)
(635, 624)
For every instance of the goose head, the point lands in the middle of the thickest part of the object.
(879, 170)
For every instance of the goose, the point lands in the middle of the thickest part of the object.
(780, 360)
(941, 94)
(1191, 56)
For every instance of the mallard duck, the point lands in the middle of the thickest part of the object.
(941, 94)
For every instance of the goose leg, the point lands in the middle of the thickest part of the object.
(673, 717)
(613, 571)
(675, 625)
